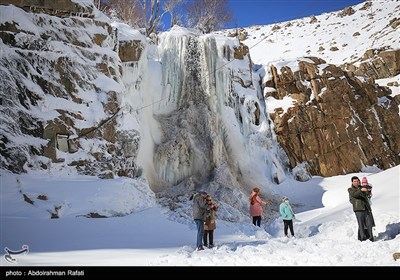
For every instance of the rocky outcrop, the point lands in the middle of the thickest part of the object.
(348, 11)
(394, 23)
(240, 33)
(61, 8)
(241, 51)
(60, 65)
(340, 123)
(377, 64)
(130, 51)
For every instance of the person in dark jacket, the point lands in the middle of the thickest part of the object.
(359, 198)
(199, 216)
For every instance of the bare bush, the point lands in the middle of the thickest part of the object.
(208, 15)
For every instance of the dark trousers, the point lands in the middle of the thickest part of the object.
(257, 220)
(365, 224)
(210, 234)
(288, 224)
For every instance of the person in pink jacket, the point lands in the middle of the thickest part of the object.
(256, 209)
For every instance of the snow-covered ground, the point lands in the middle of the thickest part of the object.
(141, 233)
(326, 234)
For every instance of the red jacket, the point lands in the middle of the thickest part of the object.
(256, 208)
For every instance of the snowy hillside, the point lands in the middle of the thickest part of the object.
(180, 115)
(336, 37)
(339, 38)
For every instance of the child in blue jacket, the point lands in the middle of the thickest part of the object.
(287, 215)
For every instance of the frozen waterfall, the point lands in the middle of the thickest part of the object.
(208, 121)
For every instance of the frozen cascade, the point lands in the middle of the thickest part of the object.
(207, 127)
(186, 146)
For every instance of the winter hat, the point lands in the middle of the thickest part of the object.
(202, 193)
(364, 180)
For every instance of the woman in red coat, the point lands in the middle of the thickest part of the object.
(256, 209)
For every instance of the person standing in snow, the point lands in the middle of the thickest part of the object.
(371, 223)
(210, 223)
(365, 184)
(359, 198)
(256, 209)
(287, 215)
(199, 216)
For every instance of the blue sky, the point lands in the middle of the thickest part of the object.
(262, 12)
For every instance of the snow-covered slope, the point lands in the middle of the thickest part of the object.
(336, 37)
(152, 236)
